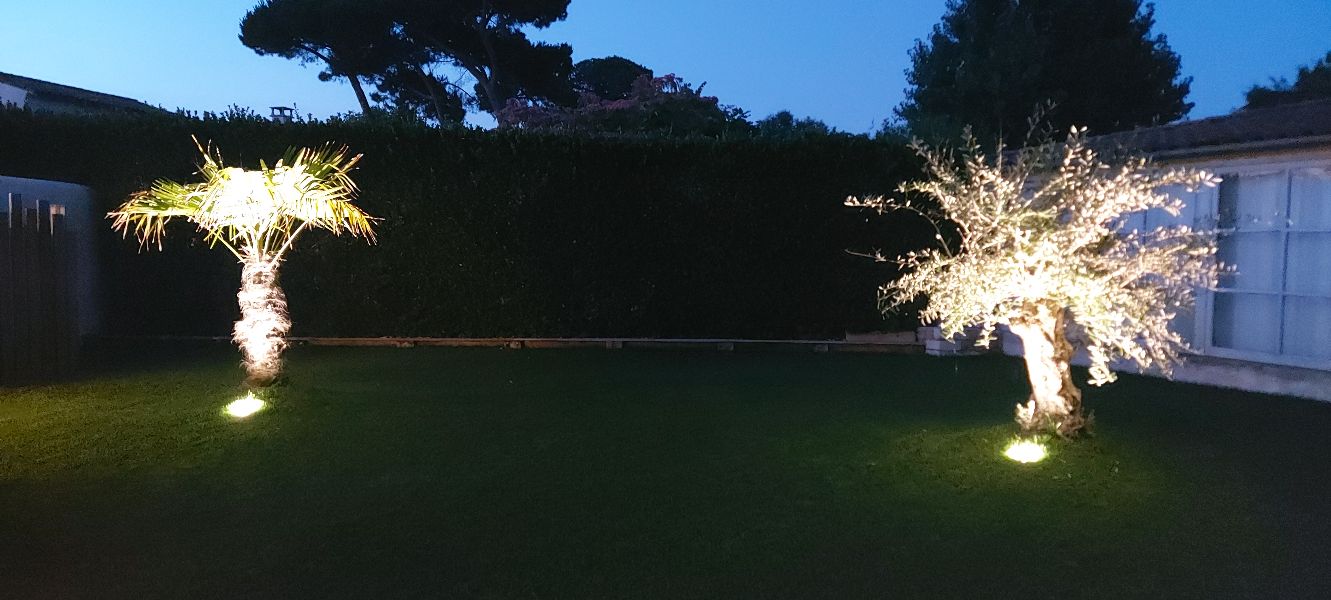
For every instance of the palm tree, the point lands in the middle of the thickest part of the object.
(256, 215)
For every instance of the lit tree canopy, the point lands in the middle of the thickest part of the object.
(1040, 248)
(989, 63)
(256, 215)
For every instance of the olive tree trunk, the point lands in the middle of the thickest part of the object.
(262, 329)
(1055, 403)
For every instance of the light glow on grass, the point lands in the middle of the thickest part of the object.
(1026, 451)
(245, 407)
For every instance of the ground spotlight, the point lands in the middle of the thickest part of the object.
(1026, 451)
(245, 407)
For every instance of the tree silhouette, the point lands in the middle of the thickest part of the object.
(485, 38)
(989, 63)
(397, 43)
(1313, 82)
(350, 38)
(609, 78)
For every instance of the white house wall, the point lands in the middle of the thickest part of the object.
(81, 218)
(1223, 372)
(1210, 365)
(1298, 282)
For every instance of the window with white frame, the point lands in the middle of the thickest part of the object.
(1276, 306)
(1193, 214)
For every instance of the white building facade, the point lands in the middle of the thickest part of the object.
(1276, 307)
(1267, 326)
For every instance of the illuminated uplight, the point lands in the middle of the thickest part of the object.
(1025, 451)
(245, 407)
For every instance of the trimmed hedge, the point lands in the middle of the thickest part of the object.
(507, 233)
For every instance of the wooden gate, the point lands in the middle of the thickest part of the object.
(38, 321)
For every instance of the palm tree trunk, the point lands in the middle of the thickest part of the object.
(263, 325)
(1055, 402)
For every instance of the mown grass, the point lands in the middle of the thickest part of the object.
(382, 473)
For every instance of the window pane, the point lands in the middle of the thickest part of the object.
(1184, 324)
(1309, 264)
(1308, 327)
(1253, 201)
(1257, 256)
(1247, 322)
(1310, 199)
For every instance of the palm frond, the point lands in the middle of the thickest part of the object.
(147, 212)
(255, 214)
(325, 190)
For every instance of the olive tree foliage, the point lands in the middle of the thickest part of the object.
(1034, 240)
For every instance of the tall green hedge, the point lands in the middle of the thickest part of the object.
(506, 233)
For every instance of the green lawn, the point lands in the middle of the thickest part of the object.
(385, 473)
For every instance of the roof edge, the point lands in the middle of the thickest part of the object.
(1241, 147)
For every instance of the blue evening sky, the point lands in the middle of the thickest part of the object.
(841, 61)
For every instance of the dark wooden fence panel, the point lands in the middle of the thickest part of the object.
(38, 320)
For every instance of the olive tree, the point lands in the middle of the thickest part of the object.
(1033, 240)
